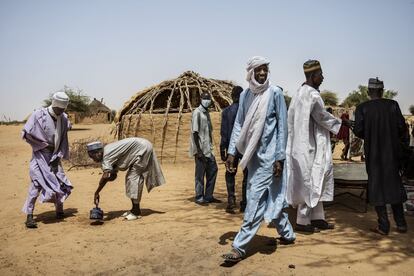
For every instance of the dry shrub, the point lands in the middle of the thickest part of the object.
(79, 157)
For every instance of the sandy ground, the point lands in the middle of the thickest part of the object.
(174, 236)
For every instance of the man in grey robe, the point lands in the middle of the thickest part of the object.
(135, 155)
(46, 132)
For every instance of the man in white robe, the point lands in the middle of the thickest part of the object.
(308, 153)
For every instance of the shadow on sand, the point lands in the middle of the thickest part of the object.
(259, 244)
(50, 216)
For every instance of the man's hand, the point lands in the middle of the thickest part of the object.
(54, 165)
(278, 168)
(50, 147)
(112, 176)
(200, 155)
(96, 199)
(106, 176)
(230, 164)
(223, 155)
(348, 123)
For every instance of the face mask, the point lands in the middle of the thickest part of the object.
(205, 103)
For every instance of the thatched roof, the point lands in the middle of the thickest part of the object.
(178, 95)
(98, 107)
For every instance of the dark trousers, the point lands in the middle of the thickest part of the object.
(231, 183)
(346, 148)
(207, 168)
(384, 223)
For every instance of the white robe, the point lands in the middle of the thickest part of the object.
(308, 153)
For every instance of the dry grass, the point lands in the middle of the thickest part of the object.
(79, 157)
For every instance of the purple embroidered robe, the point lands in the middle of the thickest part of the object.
(39, 133)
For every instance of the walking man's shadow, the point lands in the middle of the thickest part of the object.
(50, 216)
(259, 244)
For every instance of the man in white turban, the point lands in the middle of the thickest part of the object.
(46, 132)
(259, 134)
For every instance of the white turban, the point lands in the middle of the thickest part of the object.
(252, 129)
(60, 99)
(252, 64)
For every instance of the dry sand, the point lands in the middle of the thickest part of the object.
(174, 236)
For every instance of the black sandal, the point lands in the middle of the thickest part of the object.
(376, 230)
(232, 257)
(30, 222)
(284, 241)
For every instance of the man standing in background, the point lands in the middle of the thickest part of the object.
(201, 148)
(380, 123)
(228, 116)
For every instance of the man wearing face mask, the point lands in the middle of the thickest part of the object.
(308, 153)
(201, 148)
(259, 134)
(46, 132)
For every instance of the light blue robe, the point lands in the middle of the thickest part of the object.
(271, 147)
(265, 192)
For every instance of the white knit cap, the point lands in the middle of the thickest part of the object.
(94, 146)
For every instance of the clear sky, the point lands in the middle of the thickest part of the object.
(112, 49)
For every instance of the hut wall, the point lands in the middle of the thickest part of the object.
(133, 126)
(98, 118)
(74, 117)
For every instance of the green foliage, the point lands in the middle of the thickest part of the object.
(287, 99)
(78, 101)
(390, 94)
(360, 95)
(411, 109)
(329, 98)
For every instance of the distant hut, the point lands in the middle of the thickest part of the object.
(98, 113)
(162, 113)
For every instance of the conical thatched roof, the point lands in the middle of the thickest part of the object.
(97, 106)
(179, 96)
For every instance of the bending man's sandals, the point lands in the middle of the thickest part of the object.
(130, 216)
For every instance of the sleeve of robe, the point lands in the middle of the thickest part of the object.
(223, 131)
(32, 127)
(195, 121)
(281, 127)
(110, 157)
(402, 126)
(359, 123)
(323, 117)
(63, 152)
(238, 123)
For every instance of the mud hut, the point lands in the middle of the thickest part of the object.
(162, 113)
(98, 113)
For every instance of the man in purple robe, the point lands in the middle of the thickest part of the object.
(46, 132)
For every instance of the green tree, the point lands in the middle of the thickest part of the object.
(78, 101)
(360, 95)
(287, 100)
(329, 98)
(411, 109)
